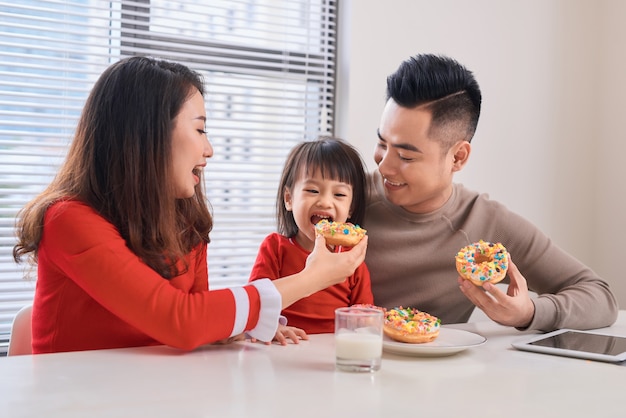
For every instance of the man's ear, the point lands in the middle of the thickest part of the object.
(287, 199)
(460, 154)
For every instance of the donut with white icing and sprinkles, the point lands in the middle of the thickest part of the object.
(338, 233)
(482, 262)
(410, 325)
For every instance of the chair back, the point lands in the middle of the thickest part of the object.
(20, 341)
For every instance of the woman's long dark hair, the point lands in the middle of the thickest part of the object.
(119, 163)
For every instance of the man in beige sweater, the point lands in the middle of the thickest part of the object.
(417, 218)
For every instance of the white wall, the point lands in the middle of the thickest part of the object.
(551, 135)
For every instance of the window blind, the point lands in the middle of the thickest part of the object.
(269, 71)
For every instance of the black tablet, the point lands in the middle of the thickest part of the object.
(591, 345)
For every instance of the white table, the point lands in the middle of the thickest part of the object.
(254, 380)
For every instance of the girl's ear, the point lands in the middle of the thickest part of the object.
(287, 199)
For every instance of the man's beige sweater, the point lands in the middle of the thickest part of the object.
(411, 261)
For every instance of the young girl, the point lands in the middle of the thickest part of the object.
(322, 179)
(120, 235)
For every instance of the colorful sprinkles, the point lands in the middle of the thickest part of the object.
(412, 321)
(482, 261)
(326, 227)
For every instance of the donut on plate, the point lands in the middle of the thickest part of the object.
(482, 262)
(337, 233)
(410, 325)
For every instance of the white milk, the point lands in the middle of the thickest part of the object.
(358, 346)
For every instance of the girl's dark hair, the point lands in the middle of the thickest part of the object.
(444, 86)
(335, 159)
(119, 163)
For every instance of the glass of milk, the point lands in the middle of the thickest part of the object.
(358, 339)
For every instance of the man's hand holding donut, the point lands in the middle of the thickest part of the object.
(513, 308)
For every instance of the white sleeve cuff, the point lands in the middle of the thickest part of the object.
(242, 310)
(271, 303)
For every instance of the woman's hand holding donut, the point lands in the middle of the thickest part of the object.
(513, 308)
(335, 267)
(323, 269)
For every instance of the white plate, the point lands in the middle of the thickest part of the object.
(450, 341)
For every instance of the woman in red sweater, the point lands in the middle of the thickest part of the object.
(120, 235)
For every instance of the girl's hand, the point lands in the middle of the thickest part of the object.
(285, 332)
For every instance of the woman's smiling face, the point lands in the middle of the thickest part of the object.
(190, 146)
